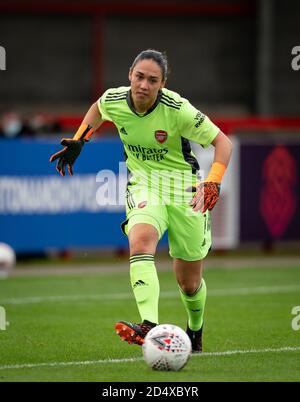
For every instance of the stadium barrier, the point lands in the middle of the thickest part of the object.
(41, 211)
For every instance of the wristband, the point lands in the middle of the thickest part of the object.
(84, 132)
(216, 172)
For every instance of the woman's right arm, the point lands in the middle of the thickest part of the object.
(91, 122)
(73, 146)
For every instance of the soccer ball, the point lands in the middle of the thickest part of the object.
(7, 259)
(167, 348)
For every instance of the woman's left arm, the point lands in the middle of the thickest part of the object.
(207, 193)
(223, 148)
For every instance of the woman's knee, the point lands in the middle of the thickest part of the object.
(189, 287)
(188, 275)
(143, 238)
(142, 245)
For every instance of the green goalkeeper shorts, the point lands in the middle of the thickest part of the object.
(189, 232)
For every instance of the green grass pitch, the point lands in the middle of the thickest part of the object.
(61, 327)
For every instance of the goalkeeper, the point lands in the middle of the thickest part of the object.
(155, 126)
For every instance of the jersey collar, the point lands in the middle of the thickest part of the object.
(130, 103)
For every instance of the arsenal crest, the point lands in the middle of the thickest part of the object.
(161, 136)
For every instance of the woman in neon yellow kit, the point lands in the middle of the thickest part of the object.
(155, 126)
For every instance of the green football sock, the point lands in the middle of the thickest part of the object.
(194, 305)
(145, 286)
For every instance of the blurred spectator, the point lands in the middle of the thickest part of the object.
(42, 123)
(12, 125)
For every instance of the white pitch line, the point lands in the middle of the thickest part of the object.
(135, 359)
(237, 352)
(165, 295)
(75, 363)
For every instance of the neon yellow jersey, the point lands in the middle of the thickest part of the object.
(159, 139)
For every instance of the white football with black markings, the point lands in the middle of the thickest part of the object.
(167, 348)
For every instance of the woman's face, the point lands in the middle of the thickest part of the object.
(146, 80)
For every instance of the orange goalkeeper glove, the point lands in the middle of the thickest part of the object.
(68, 155)
(208, 192)
(72, 148)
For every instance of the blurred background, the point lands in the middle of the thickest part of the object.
(236, 61)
